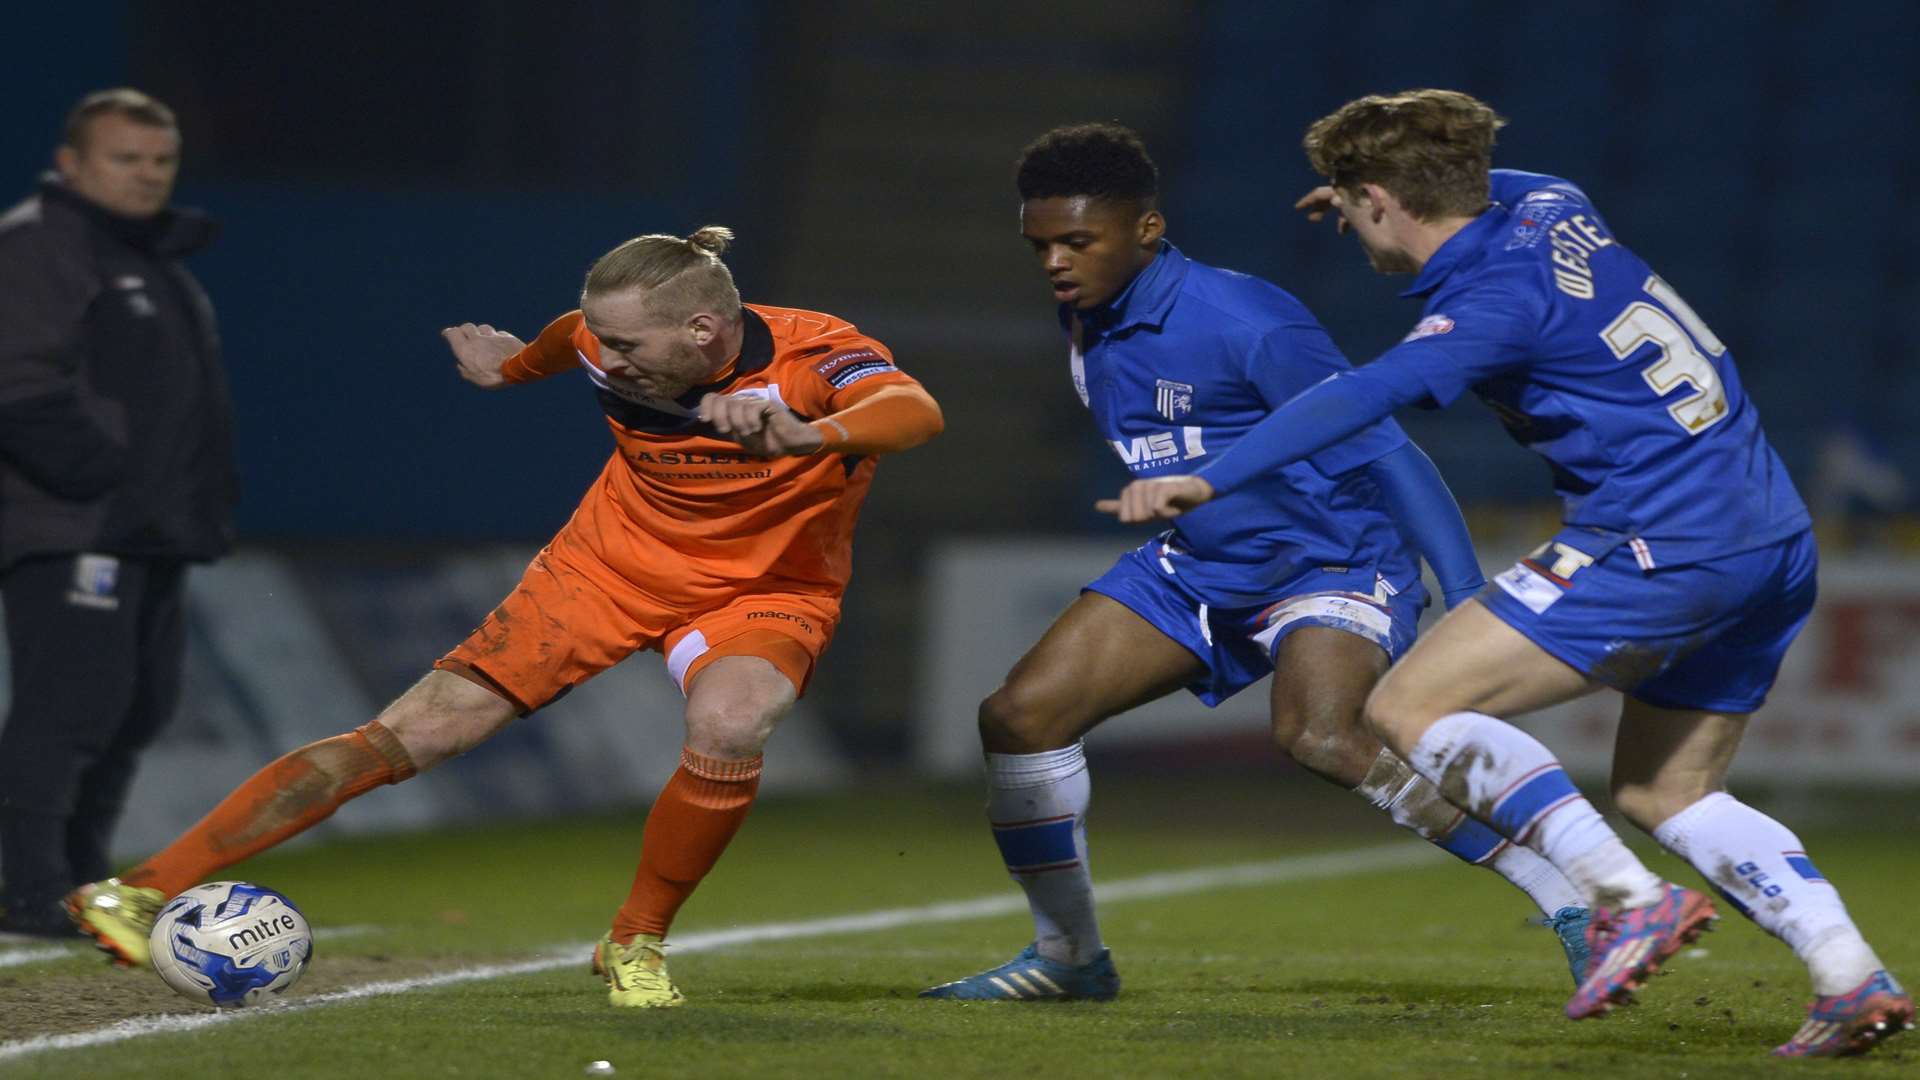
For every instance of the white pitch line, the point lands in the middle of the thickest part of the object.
(1275, 871)
(17, 957)
(330, 933)
(21, 957)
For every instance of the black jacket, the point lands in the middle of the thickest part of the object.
(115, 420)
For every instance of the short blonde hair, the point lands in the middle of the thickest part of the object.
(682, 276)
(120, 101)
(1431, 148)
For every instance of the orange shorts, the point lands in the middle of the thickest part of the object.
(567, 622)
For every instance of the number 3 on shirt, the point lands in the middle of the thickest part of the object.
(1680, 359)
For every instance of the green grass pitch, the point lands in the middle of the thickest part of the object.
(1415, 968)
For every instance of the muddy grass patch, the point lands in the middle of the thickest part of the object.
(34, 1004)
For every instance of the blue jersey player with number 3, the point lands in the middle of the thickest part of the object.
(1305, 573)
(1684, 569)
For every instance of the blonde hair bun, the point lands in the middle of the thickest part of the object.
(711, 239)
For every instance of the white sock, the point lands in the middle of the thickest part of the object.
(1536, 877)
(1415, 804)
(1761, 868)
(1037, 804)
(1506, 778)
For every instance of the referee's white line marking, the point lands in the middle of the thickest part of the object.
(1150, 886)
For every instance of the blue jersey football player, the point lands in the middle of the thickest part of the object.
(1304, 573)
(1684, 568)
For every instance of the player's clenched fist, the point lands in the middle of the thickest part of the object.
(759, 425)
(1157, 499)
(479, 350)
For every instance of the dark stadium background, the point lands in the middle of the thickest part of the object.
(387, 169)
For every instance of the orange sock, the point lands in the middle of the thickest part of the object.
(691, 823)
(286, 798)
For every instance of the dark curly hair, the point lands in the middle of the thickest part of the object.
(1106, 161)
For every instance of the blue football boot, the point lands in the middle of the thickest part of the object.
(1032, 977)
(1570, 925)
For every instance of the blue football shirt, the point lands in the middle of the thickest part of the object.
(1595, 363)
(1183, 363)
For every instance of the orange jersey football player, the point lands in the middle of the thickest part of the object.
(719, 533)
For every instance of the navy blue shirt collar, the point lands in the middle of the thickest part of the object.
(1461, 249)
(172, 233)
(756, 352)
(1146, 299)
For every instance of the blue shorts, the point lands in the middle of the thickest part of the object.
(1708, 635)
(1237, 643)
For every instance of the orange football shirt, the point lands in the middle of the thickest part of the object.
(690, 517)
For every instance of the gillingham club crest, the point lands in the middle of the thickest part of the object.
(1172, 400)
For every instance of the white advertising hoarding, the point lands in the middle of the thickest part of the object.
(1846, 707)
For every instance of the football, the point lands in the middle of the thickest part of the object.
(230, 944)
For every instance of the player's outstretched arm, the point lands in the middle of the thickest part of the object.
(480, 351)
(1313, 420)
(1424, 507)
(1316, 418)
(887, 420)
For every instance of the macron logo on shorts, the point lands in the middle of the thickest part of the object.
(845, 369)
(783, 617)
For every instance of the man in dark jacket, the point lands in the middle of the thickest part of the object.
(116, 471)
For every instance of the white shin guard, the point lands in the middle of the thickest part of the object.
(1506, 778)
(1415, 804)
(1761, 867)
(1037, 804)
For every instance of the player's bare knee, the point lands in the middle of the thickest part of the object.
(1300, 733)
(1316, 751)
(1393, 717)
(1288, 726)
(430, 739)
(443, 716)
(731, 731)
(1013, 721)
(1326, 739)
(1000, 731)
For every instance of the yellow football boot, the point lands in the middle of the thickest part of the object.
(636, 973)
(117, 917)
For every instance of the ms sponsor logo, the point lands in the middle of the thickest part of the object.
(1160, 448)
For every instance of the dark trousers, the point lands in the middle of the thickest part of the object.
(96, 648)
